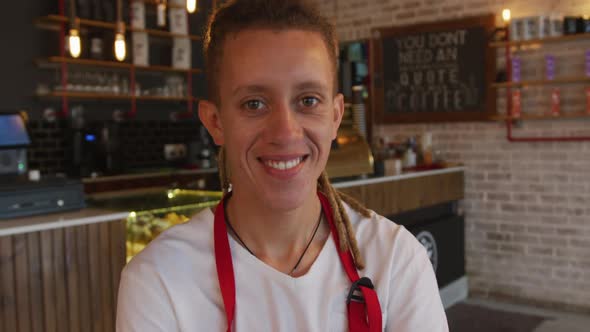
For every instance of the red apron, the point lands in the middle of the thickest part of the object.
(364, 311)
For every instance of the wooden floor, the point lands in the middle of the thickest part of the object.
(489, 316)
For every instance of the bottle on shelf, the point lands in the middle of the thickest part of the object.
(426, 149)
(410, 158)
(516, 96)
(96, 45)
(555, 93)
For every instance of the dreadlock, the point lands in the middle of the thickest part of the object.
(346, 234)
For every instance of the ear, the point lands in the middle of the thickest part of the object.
(338, 113)
(209, 115)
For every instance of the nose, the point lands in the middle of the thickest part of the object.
(284, 126)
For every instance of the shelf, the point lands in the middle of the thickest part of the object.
(565, 80)
(576, 115)
(154, 2)
(162, 98)
(58, 19)
(565, 38)
(102, 96)
(115, 64)
(165, 34)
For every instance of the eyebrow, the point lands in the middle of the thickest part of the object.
(311, 85)
(307, 85)
(249, 89)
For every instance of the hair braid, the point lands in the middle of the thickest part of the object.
(341, 220)
(223, 176)
(346, 234)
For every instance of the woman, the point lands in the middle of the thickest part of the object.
(283, 251)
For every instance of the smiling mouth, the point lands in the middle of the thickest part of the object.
(283, 165)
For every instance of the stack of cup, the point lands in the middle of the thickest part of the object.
(358, 110)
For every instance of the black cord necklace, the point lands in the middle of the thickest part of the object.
(317, 226)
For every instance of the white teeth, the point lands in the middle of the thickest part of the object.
(283, 165)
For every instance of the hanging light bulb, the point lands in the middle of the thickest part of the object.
(191, 6)
(506, 15)
(74, 43)
(120, 46)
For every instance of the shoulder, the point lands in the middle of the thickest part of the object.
(161, 275)
(378, 233)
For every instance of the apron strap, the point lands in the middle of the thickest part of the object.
(364, 312)
(223, 262)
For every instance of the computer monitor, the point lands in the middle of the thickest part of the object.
(13, 131)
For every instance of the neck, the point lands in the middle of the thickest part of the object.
(277, 237)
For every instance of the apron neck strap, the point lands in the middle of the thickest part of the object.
(364, 311)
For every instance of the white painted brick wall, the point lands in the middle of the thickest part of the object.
(527, 204)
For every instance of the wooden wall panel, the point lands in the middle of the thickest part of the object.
(21, 268)
(48, 280)
(107, 285)
(61, 280)
(72, 275)
(35, 280)
(388, 198)
(7, 282)
(83, 277)
(59, 272)
(96, 293)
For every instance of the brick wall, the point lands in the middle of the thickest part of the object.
(527, 205)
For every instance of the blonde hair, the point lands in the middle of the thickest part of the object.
(341, 221)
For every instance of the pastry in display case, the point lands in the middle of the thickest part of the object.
(154, 211)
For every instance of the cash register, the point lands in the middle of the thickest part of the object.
(20, 196)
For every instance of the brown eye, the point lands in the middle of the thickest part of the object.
(309, 101)
(253, 104)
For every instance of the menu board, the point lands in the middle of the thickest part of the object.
(434, 72)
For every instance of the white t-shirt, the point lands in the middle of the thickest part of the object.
(172, 284)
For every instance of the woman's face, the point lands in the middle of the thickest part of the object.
(278, 113)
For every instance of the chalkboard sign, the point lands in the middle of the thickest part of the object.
(434, 72)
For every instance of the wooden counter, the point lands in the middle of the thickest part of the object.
(391, 195)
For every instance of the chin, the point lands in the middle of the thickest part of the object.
(286, 200)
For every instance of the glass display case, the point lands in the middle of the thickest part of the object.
(153, 211)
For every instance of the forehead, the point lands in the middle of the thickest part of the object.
(274, 56)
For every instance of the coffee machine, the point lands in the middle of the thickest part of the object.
(14, 140)
(94, 147)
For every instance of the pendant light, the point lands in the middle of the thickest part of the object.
(191, 6)
(74, 42)
(120, 46)
(506, 15)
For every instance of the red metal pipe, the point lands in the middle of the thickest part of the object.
(64, 66)
(133, 112)
(189, 83)
(508, 72)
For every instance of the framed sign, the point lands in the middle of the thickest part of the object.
(434, 72)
